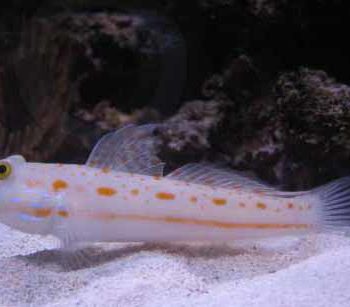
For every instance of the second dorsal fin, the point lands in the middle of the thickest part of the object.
(129, 149)
(216, 176)
(223, 177)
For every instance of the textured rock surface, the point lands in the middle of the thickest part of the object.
(186, 136)
(122, 56)
(35, 92)
(122, 60)
(245, 96)
(293, 133)
(315, 114)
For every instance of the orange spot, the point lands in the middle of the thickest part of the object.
(59, 185)
(62, 213)
(135, 192)
(156, 177)
(193, 199)
(105, 170)
(165, 196)
(290, 206)
(59, 165)
(242, 205)
(42, 212)
(261, 205)
(219, 201)
(105, 191)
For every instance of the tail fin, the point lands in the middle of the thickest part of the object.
(334, 204)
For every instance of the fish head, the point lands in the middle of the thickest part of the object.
(20, 208)
(10, 174)
(10, 169)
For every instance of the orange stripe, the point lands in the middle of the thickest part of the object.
(208, 223)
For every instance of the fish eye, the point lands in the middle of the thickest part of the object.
(5, 170)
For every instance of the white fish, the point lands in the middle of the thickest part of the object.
(120, 194)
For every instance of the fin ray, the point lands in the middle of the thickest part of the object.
(333, 200)
(216, 176)
(129, 149)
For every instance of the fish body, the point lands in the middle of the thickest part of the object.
(108, 200)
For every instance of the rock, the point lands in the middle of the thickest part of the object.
(315, 114)
(131, 60)
(290, 128)
(35, 92)
(135, 62)
(294, 135)
(108, 117)
(185, 137)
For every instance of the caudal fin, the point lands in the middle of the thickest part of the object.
(334, 204)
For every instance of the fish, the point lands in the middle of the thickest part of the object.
(122, 195)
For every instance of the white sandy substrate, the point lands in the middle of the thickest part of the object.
(310, 271)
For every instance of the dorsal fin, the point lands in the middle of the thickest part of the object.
(130, 149)
(219, 176)
(215, 175)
